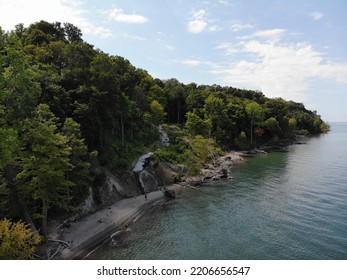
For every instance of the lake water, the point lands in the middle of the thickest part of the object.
(278, 206)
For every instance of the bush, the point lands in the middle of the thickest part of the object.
(17, 240)
(303, 132)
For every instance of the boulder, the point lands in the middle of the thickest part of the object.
(148, 181)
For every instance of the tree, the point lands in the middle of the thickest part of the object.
(216, 110)
(20, 91)
(80, 173)
(72, 32)
(157, 112)
(200, 151)
(255, 113)
(17, 240)
(157, 93)
(272, 125)
(45, 163)
(8, 140)
(9, 147)
(176, 100)
(197, 126)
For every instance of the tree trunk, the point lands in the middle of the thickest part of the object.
(44, 219)
(178, 112)
(251, 132)
(122, 128)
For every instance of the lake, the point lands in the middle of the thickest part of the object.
(278, 206)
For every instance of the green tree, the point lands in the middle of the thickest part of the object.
(8, 140)
(197, 126)
(157, 93)
(17, 240)
(291, 127)
(80, 173)
(20, 90)
(157, 113)
(45, 163)
(176, 100)
(200, 151)
(72, 32)
(255, 113)
(272, 125)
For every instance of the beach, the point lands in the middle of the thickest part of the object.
(85, 234)
(79, 236)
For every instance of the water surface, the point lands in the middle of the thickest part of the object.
(278, 206)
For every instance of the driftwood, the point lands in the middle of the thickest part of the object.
(59, 249)
(38, 256)
(61, 246)
(60, 241)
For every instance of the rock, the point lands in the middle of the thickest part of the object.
(163, 173)
(148, 182)
(142, 162)
(118, 187)
(180, 168)
(170, 193)
(165, 140)
(88, 205)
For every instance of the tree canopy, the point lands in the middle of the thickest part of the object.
(67, 109)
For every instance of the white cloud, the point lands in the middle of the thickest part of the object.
(133, 37)
(224, 2)
(269, 34)
(213, 28)
(27, 12)
(280, 69)
(228, 47)
(120, 16)
(316, 15)
(236, 27)
(89, 28)
(199, 23)
(193, 62)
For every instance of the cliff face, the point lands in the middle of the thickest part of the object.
(118, 187)
(113, 188)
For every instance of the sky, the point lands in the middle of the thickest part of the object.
(292, 49)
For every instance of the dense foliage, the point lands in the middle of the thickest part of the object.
(67, 108)
(17, 240)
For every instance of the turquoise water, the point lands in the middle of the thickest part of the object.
(278, 206)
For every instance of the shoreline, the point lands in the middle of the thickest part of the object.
(80, 237)
(94, 229)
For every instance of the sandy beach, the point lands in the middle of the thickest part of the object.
(85, 234)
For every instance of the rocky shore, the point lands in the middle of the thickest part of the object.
(75, 237)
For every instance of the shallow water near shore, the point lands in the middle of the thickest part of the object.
(278, 206)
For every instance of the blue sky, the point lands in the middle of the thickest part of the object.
(293, 49)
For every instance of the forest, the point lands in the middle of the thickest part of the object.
(67, 109)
